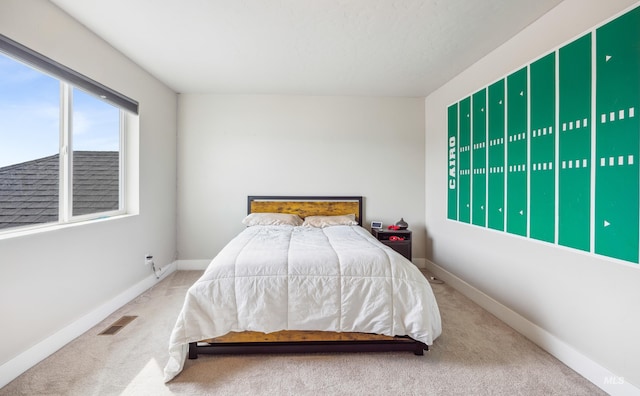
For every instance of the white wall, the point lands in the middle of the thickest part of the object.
(50, 279)
(233, 146)
(589, 303)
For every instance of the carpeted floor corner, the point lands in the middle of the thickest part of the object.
(476, 355)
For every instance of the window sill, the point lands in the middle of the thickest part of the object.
(44, 228)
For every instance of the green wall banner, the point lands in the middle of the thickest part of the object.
(495, 182)
(551, 152)
(543, 149)
(452, 163)
(479, 158)
(464, 154)
(574, 170)
(517, 169)
(617, 129)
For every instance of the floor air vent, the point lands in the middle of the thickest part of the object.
(118, 325)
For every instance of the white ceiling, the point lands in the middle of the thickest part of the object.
(310, 47)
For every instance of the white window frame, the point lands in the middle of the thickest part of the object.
(65, 209)
(69, 80)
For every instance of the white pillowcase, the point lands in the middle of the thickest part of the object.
(328, 221)
(255, 219)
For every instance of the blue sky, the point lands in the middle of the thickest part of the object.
(29, 116)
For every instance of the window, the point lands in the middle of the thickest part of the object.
(29, 141)
(61, 142)
(96, 155)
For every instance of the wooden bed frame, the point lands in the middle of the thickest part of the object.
(289, 341)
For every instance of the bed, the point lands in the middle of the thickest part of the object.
(305, 276)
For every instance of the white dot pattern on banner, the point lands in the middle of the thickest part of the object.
(621, 160)
(611, 117)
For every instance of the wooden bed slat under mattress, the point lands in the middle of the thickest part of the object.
(293, 336)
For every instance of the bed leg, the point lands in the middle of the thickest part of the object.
(193, 350)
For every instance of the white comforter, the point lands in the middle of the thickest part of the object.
(272, 278)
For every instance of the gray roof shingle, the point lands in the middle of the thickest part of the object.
(29, 190)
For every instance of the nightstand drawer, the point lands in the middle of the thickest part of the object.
(398, 240)
(402, 247)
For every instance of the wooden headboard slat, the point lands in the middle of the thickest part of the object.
(307, 205)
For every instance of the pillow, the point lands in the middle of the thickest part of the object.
(255, 219)
(328, 221)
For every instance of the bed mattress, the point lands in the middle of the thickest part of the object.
(271, 278)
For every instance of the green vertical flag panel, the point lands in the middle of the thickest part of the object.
(452, 152)
(464, 153)
(516, 166)
(496, 147)
(574, 147)
(479, 158)
(617, 129)
(542, 214)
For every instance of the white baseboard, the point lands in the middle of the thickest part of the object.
(192, 265)
(591, 370)
(32, 356)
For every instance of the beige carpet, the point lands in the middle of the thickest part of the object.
(476, 355)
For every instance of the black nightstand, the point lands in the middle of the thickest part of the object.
(401, 246)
